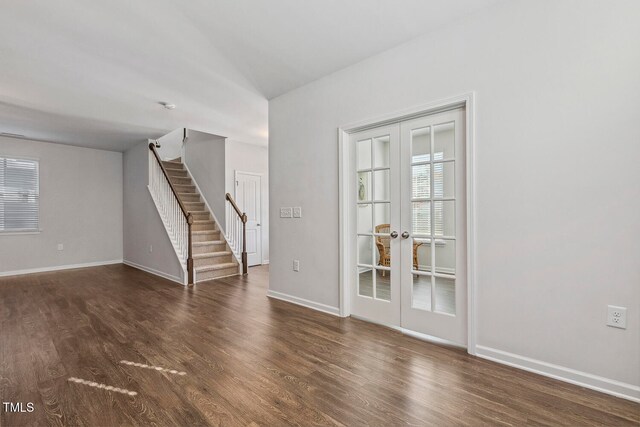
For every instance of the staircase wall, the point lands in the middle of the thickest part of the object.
(141, 221)
(205, 158)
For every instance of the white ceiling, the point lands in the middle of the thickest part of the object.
(92, 72)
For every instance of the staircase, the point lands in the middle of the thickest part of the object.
(212, 256)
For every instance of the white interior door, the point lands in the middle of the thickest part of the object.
(375, 216)
(434, 288)
(248, 197)
(408, 223)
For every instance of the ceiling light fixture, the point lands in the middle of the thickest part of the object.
(168, 105)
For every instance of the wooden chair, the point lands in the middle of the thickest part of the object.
(383, 242)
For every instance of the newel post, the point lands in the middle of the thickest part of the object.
(244, 243)
(190, 253)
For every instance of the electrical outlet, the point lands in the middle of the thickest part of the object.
(296, 265)
(297, 212)
(60, 247)
(286, 212)
(617, 316)
(150, 248)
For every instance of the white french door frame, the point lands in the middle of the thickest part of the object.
(235, 196)
(345, 169)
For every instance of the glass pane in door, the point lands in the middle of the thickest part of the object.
(381, 185)
(365, 250)
(381, 151)
(364, 218)
(445, 295)
(445, 256)
(364, 186)
(444, 218)
(421, 255)
(421, 181)
(363, 154)
(382, 213)
(383, 285)
(383, 247)
(421, 218)
(421, 292)
(421, 145)
(365, 282)
(444, 141)
(444, 180)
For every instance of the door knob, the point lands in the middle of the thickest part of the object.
(394, 234)
(405, 234)
(258, 225)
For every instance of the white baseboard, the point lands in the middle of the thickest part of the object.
(583, 379)
(154, 272)
(59, 267)
(265, 262)
(304, 302)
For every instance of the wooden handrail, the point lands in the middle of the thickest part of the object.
(152, 147)
(242, 216)
(243, 219)
(187, 215)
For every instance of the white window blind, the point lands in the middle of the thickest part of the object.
(422, 189)
(19, 194)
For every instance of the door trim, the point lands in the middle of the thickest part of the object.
(466, 100)
(235, 196)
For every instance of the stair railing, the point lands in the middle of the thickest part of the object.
(177, 219)
(237, 231)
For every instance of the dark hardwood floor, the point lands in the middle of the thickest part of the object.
(248, 360)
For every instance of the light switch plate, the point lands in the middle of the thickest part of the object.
(296, 265)
(286, 212)
(60, 247)
(297, 212)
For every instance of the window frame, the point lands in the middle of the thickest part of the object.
(26, 231)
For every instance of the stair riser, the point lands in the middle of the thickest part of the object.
(201, 216)
(173, 165)
(176, 180)
(212, 260)
(204, 227)
(194, 206)
(209, 248)
(214, 235)
(191, 189)
(189, 197)
(208, 275)
(177, 173)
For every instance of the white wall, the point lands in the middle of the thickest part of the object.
(250, 158)
(80, 207)
(171, 144)
(557, 172)
(143, 226)
(205, 157)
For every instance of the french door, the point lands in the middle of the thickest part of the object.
(410, 239)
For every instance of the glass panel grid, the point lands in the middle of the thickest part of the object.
(373, 173)
(433, 214)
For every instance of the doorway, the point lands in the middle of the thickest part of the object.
(249, 199)
(406, 263)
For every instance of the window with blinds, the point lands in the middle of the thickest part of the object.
(19, 194)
